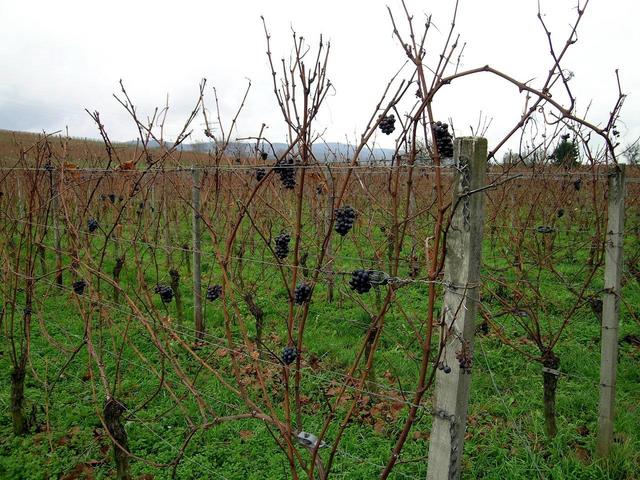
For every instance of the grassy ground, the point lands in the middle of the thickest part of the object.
(505, 437)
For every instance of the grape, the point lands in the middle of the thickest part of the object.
(345, 218)
(387, 124)
(287, 173)
(282, 245)
(92, 225)
(79, 286)
(360, 281)
(165, 292)
(577, 184)
(289, 355)
(443, 139)
(214, 292)
(302, 293)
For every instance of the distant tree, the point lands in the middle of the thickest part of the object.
(510, 158)
(527, 158)
(632, 153)
(566, 153)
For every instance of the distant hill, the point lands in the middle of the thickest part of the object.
(331, 151)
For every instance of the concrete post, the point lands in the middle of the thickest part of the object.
(461, 299)
(197, 278)
(611, 310)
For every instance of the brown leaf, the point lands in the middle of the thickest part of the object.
(73, 431)
(80, 471)
(583, 430)
(245, 434)
(421, 435)
(582, 454)
(126, 166)
(377, 409)
(396, 408)
(333, 391)
(379, 426)
(314, 363)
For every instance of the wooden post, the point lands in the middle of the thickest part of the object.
(611, 310)
(197, 279)
(327, 220)
(461, 299)
(54, 178)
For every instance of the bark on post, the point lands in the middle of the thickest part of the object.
(611, 310)
(462, 295)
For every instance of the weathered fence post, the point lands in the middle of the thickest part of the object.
(611, 309)
(54, 178)
(461, 299)
(327, 223)
(197, 279)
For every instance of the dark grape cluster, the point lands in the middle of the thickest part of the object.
(112, 197)
(387, 124)
(465, 361)
(214, 292)
(345, 217)
(117, 267)
(263, 155)
(287, 173)
(260, 174)
(443, 367)
(302, 293)
(360, 281)
(92, 225)
(289, 355)
(79, 286)
(444, 140)
(282, 245)
(140, 208)
(560, 212)
(165, 292)
(577, 184)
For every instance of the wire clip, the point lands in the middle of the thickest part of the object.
(309, 440)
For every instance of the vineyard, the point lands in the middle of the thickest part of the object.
(271, 314)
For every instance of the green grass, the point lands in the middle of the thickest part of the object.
(505, 436)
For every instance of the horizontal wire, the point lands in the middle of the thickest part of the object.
(240, 349)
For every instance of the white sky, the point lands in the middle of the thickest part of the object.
(61, 57)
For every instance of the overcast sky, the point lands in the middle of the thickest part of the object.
(59, 58)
